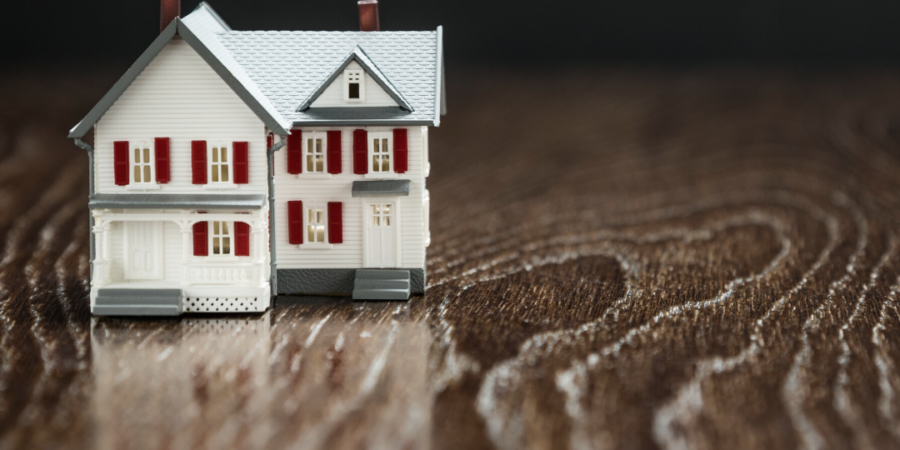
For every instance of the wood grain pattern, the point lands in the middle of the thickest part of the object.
(620, 259)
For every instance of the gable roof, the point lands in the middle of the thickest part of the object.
(276, 72)
(230, 72)
(358, 55)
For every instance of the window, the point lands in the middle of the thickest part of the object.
(141, 159)
(314, 152)
(220, 164)
(381, 215)
(315, 225)
(354, 89)
(381, 145)
(221, 238)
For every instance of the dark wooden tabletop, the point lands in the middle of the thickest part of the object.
(621, 259)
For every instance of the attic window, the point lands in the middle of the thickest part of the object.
(354, 89)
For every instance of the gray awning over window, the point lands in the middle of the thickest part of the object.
(177, 201)
(381, 188)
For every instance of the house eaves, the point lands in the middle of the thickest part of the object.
(258, 104)
(358, 55)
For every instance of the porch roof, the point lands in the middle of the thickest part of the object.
(177, 201)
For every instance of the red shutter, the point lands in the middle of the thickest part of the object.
(120, 155)
(294, 153)
(401, 150)
(334, 151)
(201, 242)
(161, 149)
(295, 222)
(335, 222)
(198, 161)
(241, 239)
(241, 165)
(360, 152)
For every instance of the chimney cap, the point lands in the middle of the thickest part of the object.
(368, 15)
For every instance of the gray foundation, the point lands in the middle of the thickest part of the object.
(332, 281)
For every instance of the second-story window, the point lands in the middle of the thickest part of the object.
(314, 152)
(142, 170)
(221, 238)
(220, 164)
(381, 147)
(354, 89)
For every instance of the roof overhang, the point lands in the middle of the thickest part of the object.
(381, 188)
(177, 201)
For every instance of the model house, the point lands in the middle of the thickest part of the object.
(228, 167)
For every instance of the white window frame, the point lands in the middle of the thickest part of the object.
(212, 235)
(210, 184)
(305, 153)
(307, 242)
(361, 75)
(370, 160)
(133, 184)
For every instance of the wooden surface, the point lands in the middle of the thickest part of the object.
(621, 259)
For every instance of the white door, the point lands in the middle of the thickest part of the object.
(143, 250)
(382, 237)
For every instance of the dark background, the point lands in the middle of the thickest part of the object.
(499, 32)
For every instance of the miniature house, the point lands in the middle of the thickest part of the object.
(228, 167)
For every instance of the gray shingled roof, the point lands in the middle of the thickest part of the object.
(274, 72)
(288, 66)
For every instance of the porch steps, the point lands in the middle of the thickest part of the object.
(381, 284)
(138, 302)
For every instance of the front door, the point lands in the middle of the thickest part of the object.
(143, 250)
(382, 237)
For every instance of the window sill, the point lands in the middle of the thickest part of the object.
(220, 187)
(316, 246)
(314, 176)
(219, 258)
(143, 187)
(382, 175)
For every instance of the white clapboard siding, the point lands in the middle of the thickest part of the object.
(310, 189)
(172, 247)
(180, 97)
(333, 95)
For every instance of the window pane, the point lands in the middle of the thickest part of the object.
(224, 154)
(215, 173)
(226, 244)
(137, 156)
(224, 172)
(376, 221)
(137, 174)
(311, 232)
(225, 228)
(387, 221)
(320, 233)
(384, 145)
(376, 209)
(147, 155)
(376, 148)
(309, 163)
(354, 90)
(216, 248)
(375, 166)
(215, 154)
(309, 146)
(320, 164)
(318, 146)
(385, 163)
(147, 173)
(311, 217)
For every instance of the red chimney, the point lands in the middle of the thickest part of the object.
(368, 15)
(168, 11)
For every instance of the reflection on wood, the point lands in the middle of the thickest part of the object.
(655, 260)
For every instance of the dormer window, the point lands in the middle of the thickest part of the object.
(354, 89)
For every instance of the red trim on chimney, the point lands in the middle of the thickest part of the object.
(368, 15)
(168, 11)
